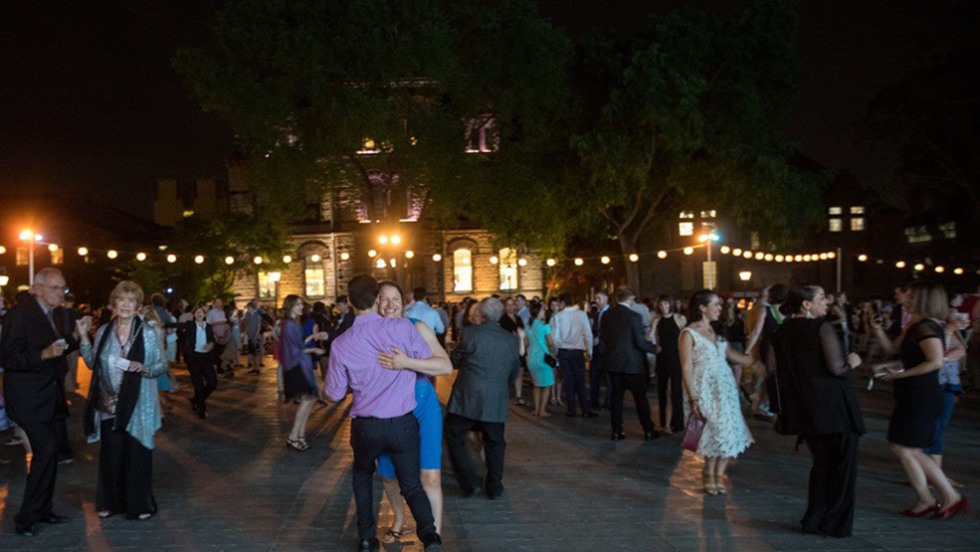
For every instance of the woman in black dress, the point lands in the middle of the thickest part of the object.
(919, 399)
(664, 332)
(819, 406)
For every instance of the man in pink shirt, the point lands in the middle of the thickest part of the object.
(381, 410)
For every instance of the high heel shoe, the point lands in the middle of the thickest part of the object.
(720, 485)
(709, 484)
(962, 506)
(297, 444)
(911, 512)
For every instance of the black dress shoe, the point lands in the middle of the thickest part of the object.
(54, 518)
(369, 544)
(25, 529)
(431, 542)
(589, 414)
(650, 435)
(618, 436)
(468, 491)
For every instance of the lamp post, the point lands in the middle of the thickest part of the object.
(745, 276)
(31, 238)
(710, 274)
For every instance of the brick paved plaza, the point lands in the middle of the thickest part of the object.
(229, 483)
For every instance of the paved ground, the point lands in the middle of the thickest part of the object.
(229, 483)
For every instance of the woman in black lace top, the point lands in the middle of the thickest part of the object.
(819, 406)
(919, 400)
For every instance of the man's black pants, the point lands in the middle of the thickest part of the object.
(39, 492)
(399, 437)
(637, 385)
(455, 429)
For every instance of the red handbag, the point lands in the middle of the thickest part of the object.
(692, 433)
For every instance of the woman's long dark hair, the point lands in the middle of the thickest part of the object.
(534, 308)
(699, 299)
(797, 295)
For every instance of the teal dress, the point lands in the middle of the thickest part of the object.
(541, 373)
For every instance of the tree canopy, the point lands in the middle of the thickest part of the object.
(311, 86)
(692, 115)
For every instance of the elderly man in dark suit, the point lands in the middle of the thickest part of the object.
(624, 358)
(37, 335)
(488, 359)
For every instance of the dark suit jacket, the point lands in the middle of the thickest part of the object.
(624, 348)
(189, 332)
(487, 358)
(33, 388)
(345, 322)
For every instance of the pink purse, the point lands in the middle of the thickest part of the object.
(692, 433)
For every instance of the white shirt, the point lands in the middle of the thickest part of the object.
(218, 321)
(570, 329)
(420, 310)
(200, 346)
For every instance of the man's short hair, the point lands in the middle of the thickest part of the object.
(623, 294)
(520, 296)
(419, 294)
(491, 308)
(363, 291)
(40, 278)
(566, 298)
(602, 292)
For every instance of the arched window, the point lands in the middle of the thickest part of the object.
(508, 269)
(462, 270)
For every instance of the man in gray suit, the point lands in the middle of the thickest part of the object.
(487, 359)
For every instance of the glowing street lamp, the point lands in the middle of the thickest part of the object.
(31, 238)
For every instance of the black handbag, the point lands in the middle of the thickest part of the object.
(550, 360)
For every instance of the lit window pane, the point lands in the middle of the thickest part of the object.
(685, 228)
(686, 215)
(834, 211)
(267, 288)
(58, 256)
(835, 225)
(857, 210)
(857, 224)
(23, 256)
(462, 270)
(313, 275)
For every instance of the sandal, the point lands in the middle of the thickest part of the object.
(144, 516)
(709, 483)
(391, 535)
(298, 444)
(104, 514)
(521, 402)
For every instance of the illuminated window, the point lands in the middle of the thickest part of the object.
(368, 147)
(949, 230)
(58, 256)
(918, 234)
(857, 224)
(835, 211)
(313, 276)
(267, 288)
(857, 210)
(709, 214)
(462, 270)
(481, 135)
(686, 215)
(508, 269)
(23, 256)
(685, 228)
(835, 225)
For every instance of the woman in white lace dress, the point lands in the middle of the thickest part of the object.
(711, 390)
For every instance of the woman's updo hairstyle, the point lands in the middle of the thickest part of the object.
(699, 299)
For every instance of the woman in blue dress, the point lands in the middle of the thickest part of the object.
(298, 370)
(539, 343)
(427, 411)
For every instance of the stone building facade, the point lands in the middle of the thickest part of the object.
(338, 239)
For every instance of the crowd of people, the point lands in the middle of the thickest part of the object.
(785, 357)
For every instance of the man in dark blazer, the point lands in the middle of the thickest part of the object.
(624, 358)
(487, 358)
(36, 338)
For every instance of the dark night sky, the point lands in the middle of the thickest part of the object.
(89, 103)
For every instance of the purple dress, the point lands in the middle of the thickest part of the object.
(298, 374)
